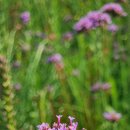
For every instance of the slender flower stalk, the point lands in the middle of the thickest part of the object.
(7, 96)
(58, 117)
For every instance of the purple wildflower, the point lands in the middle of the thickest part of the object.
(92, 20)
(59, 125)
(43, 126)
(25, 17)
(58, 117)
(73, 126)
(100, 86)
(112, 28)
(17, 86)
(98, 18)
(96, 87)
(105, 86)
(55, 58)
(83, 24)
(113, 8)
(112, 116)
(68, 36)
(16, 64)
(71, 119)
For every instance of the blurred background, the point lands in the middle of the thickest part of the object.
(47, 67)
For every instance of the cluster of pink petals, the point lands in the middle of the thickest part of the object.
(114, 8)
(112, 116)
(55, 58)
(100, 18)
(92, 20)
(59, 126)
(113, 28)
(68, 36)
(100, 86)
(25, 17)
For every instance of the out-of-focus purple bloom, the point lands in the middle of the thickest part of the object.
(112, 116)
(100, 86)
(96, 87)
(55, 58)
(59, 125)
(112, 28)
(105, 86)
(25, 17)
(92, 20)
(83, 24)
(68, 36)
(16, 64)
(17, 86)
(99, 18)
(114, 8)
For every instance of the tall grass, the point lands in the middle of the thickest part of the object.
(88, 58)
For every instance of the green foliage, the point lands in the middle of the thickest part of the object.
(46, 89)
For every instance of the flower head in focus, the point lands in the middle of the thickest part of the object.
(59, 126)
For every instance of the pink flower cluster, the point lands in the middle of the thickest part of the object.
(59, 126)
(100, 86)
(55, 58)
(113, 8)
(100, 18)
(92, 20)
(113, 28)
(25, 17)
(112, 116)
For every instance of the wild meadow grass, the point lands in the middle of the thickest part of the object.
(53, 69)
